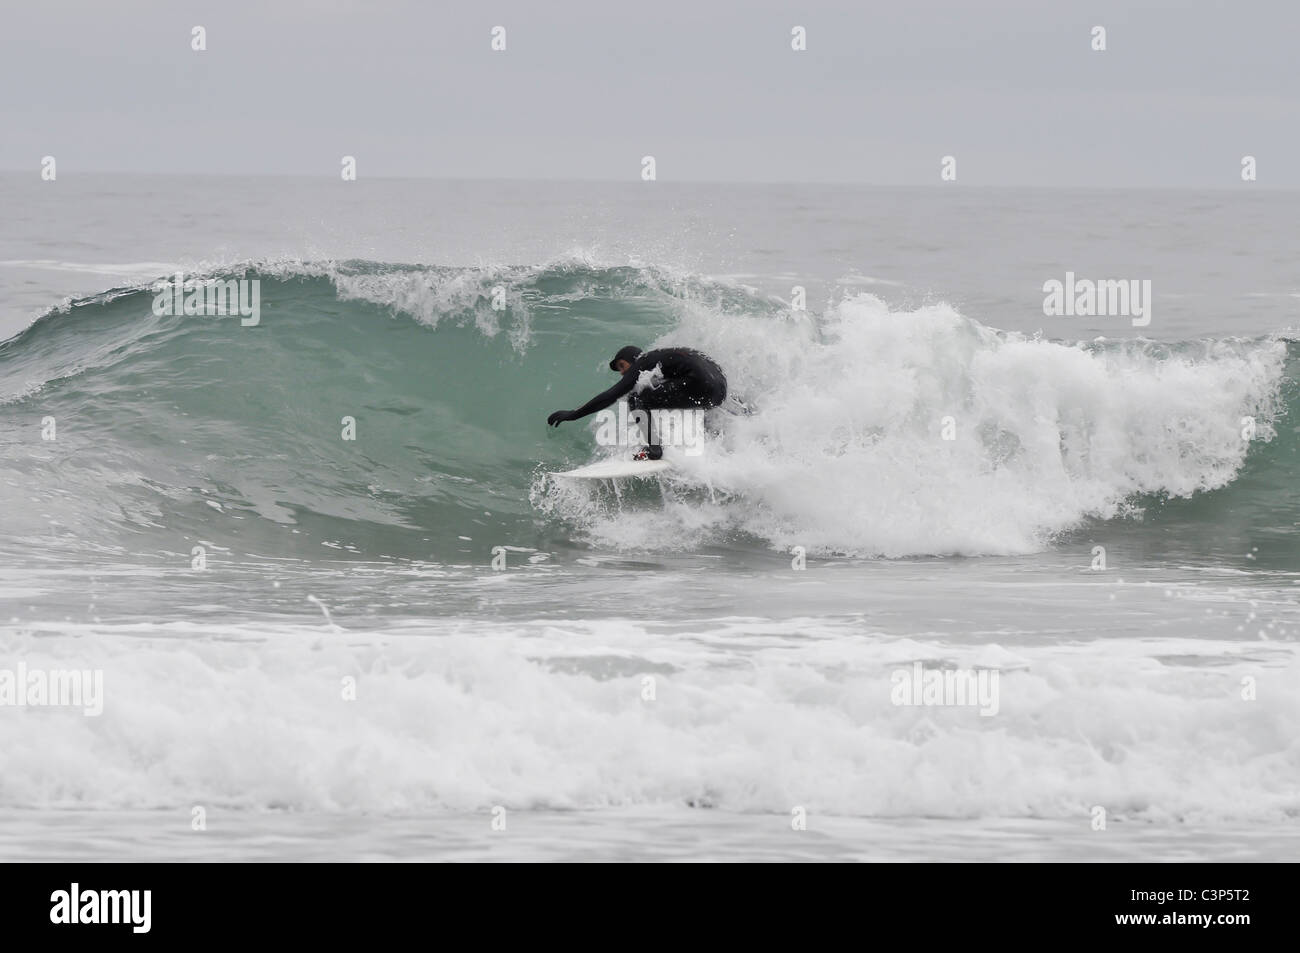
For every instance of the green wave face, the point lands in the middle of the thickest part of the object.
(170, 429)
(160, 420)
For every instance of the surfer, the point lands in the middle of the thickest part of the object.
(680, 378)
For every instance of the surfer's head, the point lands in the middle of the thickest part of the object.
(624, 358)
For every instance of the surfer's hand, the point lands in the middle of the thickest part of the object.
(559, 417)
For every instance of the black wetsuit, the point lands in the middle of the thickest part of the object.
(690, 379)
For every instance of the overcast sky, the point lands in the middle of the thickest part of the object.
(710, 88)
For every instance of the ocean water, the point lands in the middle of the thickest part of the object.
(374, 648)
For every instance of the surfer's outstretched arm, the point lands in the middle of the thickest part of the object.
(599, 402)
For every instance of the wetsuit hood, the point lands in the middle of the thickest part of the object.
(629, 353)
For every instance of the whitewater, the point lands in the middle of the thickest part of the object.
(390, 640)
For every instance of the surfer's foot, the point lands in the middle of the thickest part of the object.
(649, 453)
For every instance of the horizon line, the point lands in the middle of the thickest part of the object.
(35, 173)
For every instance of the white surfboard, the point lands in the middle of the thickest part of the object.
(615, 468)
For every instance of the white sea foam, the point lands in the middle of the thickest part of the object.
(464, 714)
(848, 452)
